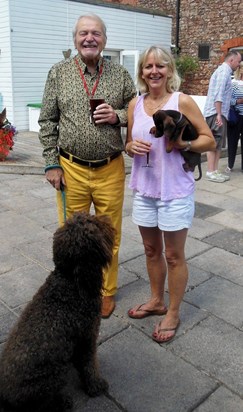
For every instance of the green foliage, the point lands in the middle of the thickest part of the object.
(186, 65)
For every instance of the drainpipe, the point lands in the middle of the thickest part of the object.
(177, 25)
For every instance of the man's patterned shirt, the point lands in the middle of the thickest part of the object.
(65, 114)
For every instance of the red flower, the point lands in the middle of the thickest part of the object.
(7, 132)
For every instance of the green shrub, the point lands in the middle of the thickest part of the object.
(186, 65)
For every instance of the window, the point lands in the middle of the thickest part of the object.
(203, 51)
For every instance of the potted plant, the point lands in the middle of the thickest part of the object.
(186, 65)
(7, 132)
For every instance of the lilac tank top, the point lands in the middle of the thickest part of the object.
(166, 179)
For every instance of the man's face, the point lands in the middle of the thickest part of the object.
(90, 39)
(235, 62)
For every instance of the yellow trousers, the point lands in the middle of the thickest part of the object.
(104, 188)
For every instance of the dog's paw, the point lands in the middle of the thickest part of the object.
(153, 130)
(169, 147)
(188, 168)
(97, 387)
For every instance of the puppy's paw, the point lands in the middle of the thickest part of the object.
(97, 387)
(153, 130)
(188, 168)
(169, 147)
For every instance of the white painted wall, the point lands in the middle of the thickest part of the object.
(36, 32)
(200, 100)
(6, 97)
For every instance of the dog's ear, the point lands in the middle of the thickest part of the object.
(158, 118)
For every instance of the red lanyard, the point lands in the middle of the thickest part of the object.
(84, 81)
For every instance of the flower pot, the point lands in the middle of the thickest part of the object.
(4, 151)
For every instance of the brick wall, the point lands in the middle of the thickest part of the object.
(218, 23)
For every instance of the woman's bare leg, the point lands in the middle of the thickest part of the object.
(177, 281)
(156, 267)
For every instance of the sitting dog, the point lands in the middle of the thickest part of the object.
(59, 327)
(173, 124)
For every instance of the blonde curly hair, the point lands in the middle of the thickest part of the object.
(239, 72)
(162, 56)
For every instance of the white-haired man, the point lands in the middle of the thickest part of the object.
(84, 155)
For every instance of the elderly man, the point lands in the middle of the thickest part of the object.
(83, 154)
(216, 111)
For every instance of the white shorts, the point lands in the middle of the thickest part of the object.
(170, 216)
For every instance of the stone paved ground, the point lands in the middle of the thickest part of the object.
(202, 369)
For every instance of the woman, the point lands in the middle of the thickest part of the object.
(235, 132)
(163, 204)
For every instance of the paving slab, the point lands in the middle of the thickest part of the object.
(125, 276)
(216, 295)
(227, 239)
(222, 400)
(216, 348)
(203, 210)
(18, 286)
(195, 247)
(221, 263)
(12, 260)
(7, 321)
(18, 228)
(39, 251)
(137, 266)
(129, 249)
(196, 276)
(201, 228)
(228, 218)
(154, 368)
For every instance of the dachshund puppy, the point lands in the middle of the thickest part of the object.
(173, 124)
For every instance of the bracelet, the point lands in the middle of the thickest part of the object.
(188, 146)
(50, 167)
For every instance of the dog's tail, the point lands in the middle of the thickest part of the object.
(200, 172)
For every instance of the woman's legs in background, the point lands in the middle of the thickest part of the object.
(240, 132)
(232, 143)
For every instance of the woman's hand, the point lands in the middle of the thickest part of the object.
(139, 147)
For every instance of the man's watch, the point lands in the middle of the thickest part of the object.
(188, 146)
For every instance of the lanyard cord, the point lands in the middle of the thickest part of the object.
(84, 81)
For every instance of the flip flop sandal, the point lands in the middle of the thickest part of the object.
(134, 313)
(155, 336)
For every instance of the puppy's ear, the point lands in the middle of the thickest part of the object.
(152, 130)
(159, 123)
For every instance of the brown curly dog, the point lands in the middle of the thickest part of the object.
(59, 327)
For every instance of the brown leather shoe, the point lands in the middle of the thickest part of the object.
(108, 305)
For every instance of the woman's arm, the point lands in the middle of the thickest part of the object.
(137, 146)
(205, 141)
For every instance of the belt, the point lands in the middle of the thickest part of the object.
(89, 163)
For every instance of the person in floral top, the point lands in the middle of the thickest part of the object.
(84, 155)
